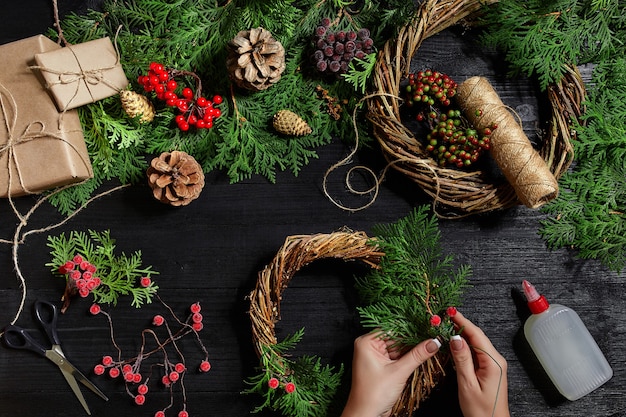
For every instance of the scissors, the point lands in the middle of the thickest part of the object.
(47, 314)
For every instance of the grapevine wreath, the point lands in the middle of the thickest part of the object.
(409, 295)
(466, 191)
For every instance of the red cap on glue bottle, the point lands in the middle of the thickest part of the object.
(536, 302)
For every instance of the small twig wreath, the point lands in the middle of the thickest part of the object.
(457, 192)
(280, 371)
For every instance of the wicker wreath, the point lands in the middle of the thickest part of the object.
(458, 192)
(299, 251)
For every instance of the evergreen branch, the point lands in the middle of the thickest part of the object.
(118, 274)
(414, 282)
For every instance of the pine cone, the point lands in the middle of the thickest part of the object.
(289, 123)
(176, 178)
(255, 59)
(135, 104)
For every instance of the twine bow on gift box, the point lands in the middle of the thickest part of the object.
(33, 130)
(80, 74)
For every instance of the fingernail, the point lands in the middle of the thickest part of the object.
(456, 343)
(433, 346)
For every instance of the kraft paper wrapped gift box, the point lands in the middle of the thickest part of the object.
(82, 73)
(40, 148)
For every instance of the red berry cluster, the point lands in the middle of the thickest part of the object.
(173, 372)
(430, 87)
(452, 143)
(274, 383)
(195, 110)
(80, 275)
(335, 50)
(436, 320)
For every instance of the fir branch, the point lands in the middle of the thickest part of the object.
(359, 72)
(119, 274)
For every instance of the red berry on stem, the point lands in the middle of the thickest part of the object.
(159, 414)
(140, 399)
(174, 376)
(114, 372)
(94, 309)
(202, 102)
(196, 318)
(179, 367)
(435, 320)
(188, 93)
(195, 308)
(205, 366)
(107, 360)
(451, 311)
(273, 383)
(183, 414)
(197, 326)
(217, 99)
(158, 320)
(290, 387)
(142, 389)
(98, 369)
(145, 282)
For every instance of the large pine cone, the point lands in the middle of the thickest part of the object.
(176, 178)
(255, 59)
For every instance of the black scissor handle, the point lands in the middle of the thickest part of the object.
(47, 314)
(17, 338)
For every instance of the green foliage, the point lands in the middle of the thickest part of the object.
(192, 36)
(359, 72)
(315, 383)
(589, 214)
(119, 273)
(540, 37)
(413, 283)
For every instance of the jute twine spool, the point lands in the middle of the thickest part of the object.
(511, 149)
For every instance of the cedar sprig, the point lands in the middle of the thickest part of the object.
(589, 214)
(315, 384)
(414, 283)
(540, 38)
(120, 274)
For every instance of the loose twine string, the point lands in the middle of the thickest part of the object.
(33, 131)
(378, 179)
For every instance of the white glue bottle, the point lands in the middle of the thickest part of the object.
(564, 346)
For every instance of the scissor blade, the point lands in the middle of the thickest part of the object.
(67, 370)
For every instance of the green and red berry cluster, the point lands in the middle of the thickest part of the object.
(194, 109)
(80, 276)
(452, 142)
(333, 50)
(430, 87)
(130, 370)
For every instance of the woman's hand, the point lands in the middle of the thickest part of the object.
(481, 372)
(379, 374)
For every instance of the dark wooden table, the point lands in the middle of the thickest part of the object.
(211, 251)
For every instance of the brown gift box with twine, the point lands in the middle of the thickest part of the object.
(40, 148)
(83, 73)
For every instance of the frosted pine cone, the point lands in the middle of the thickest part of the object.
(255, 59)
(135, 104)
(176, 178)
(289, 123)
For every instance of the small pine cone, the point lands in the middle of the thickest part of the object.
(255, 59)
(135, 104)
(289, 123)
(176, 178)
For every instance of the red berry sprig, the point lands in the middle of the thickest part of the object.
(194, 109)
(80, 275)
(137, 384)
(452, 142)
(430, 88)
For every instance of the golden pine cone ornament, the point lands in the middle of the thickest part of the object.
(176, 178)
(135, 104)
(255, 59)
(289, 123)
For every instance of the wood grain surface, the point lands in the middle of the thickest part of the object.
(211, 251)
